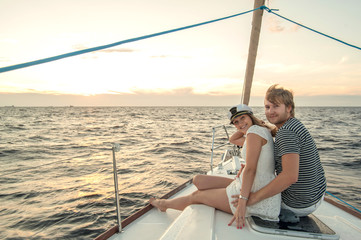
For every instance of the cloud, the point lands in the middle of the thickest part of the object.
(169, 92)
(45, 92)
(276, 25)
(294, 28)
(343, 60)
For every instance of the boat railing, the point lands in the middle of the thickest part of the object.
(116, 148)
(234, 151)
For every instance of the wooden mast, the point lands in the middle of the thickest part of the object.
(252, 51)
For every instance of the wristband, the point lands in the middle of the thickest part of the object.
(241, 197)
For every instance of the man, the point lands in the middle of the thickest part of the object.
(300, 175)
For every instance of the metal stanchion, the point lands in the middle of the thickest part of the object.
(116, 148)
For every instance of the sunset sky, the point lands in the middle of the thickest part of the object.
(203, 66)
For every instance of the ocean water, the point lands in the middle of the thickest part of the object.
(56, 162)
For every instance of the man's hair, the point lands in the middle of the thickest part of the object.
(279, 95)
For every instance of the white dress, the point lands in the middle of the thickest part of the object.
(267, 209)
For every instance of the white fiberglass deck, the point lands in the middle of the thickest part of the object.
(203, 222)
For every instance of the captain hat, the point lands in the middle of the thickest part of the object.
(238, 110)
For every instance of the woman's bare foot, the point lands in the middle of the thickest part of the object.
(158, 203)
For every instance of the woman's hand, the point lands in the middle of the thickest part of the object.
(239, 215)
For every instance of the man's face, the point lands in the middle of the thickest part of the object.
(277, 114)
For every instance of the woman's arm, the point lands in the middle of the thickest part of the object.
(237, 138)
(288, 176)
(254, 146)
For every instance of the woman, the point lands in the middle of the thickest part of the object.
(214, 191)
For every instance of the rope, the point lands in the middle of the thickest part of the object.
(58, 57)
(344, 202)
(338, 40)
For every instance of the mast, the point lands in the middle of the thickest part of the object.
(252, 51)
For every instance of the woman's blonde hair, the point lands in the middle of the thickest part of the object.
(259, 122)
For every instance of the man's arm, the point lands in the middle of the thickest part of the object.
(288, 176)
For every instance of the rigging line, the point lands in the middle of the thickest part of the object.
(348, 44)
(58, 57)
(343, 201)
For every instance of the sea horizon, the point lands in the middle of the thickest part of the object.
(163, 100)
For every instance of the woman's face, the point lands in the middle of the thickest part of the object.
(242, 123)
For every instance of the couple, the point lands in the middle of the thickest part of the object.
(297, 189)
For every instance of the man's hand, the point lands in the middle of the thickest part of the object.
(235, 200)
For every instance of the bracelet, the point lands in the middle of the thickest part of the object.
(241, 197)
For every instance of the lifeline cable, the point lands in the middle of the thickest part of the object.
(71, 54)
(344, 202)
(338, 40)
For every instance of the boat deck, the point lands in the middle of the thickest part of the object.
(203, 222)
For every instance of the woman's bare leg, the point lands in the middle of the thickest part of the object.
(203, 182)
(216, 198)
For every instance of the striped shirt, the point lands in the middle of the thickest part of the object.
(293, 137)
